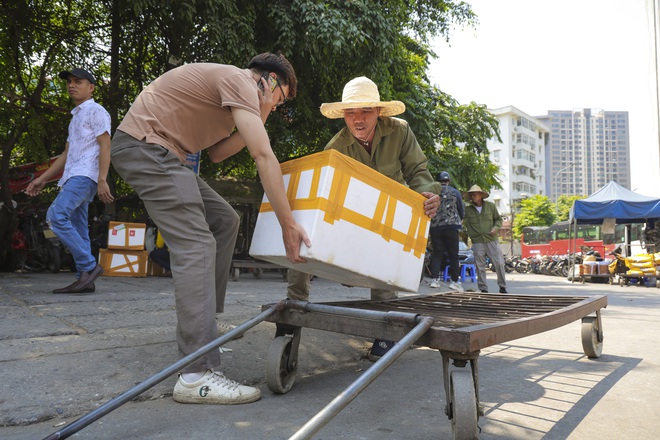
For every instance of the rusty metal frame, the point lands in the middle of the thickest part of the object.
(464, 322)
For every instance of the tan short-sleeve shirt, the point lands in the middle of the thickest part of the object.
(187, 109)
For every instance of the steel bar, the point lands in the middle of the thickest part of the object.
(118, 401)
(375, 315)
(340, 402)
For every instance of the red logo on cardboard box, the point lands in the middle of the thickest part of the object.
(114, 232)
(131, 233)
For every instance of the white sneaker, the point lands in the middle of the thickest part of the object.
(434, 283)
(214, 388)
(456, 286)
(223, 328)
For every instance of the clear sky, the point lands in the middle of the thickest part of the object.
(540, 55)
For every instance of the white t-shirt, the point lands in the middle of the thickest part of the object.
(89, 121)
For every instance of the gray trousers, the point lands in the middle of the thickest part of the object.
(299, 287)
(494, 252)
(199, 228)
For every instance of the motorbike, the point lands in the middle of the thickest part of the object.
(509, 265)
(521, 265)
(561, 266)
(38, 247)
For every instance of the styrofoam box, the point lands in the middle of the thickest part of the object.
(129, 236)
(366, 229)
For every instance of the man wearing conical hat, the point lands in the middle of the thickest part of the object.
(483, 222)
(387, 144)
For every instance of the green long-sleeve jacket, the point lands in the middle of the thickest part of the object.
(394, 153)
(479, 225)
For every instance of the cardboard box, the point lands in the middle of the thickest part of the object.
(590, 268)
(366, 229)
(154, 269)
(604, 267)
(121, 263)
(127, 236)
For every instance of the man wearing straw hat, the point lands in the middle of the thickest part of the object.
(483, 222)
(386, 144)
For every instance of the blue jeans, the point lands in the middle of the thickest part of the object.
(67, 217)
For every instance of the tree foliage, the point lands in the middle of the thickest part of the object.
(564, 205)
(126, 44)
(537, 210)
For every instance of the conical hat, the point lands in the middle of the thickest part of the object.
(475, 189)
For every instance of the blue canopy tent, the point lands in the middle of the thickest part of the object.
(613, 201)
(617, 202)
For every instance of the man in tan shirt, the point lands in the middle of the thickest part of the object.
(194, 107)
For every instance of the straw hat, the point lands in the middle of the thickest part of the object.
(476, 189)
(358, 93)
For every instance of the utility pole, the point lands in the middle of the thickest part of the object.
(553, 181)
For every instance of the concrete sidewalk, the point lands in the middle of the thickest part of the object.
(65, 355)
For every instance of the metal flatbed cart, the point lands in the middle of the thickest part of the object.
(257, 267)
(641, 280)
(458, 324)
(607, 278)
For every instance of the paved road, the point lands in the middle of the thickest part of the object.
(64, 355)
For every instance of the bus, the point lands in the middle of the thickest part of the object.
(554, 239)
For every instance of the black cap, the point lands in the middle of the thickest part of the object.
(442, 176)
(78, 73)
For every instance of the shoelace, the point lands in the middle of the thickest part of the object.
(218, 378)
(225, 327)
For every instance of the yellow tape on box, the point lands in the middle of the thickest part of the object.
(366, 229)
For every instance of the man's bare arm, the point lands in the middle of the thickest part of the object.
(251, 128)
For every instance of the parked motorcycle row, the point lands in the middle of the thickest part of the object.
(557, 265)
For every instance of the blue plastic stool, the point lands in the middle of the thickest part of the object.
(472, 276)
(446, 276)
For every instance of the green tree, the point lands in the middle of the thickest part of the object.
(330, 43)
(537, 210)
(35, 40)
(127, 44)
(564, 205)
(462, 132)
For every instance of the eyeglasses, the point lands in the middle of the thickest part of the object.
(283, 94)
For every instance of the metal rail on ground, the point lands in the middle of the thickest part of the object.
(150, 382)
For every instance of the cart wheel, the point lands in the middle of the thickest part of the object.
(590, 344)
(280, 369)
(463, 405)
(257, 272)
(237, 273)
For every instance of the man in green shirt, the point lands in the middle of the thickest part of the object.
(483, 222)
(386, 144)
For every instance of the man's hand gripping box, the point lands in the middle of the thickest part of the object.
(366, 229)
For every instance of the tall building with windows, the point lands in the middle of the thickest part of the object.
(520, 156)
(586, 149)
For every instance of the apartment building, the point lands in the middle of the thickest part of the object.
(521, 157)
(586, 149)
